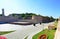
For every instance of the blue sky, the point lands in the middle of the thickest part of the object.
(43, 7)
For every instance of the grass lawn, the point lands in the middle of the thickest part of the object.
(56, 22)
(50, 34)
(5, 32)
(26, 37)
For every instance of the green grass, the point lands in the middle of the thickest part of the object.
(56, 22)
(26, 37)
(50, 34)
(5, 32)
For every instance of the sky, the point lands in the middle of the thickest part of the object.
(42, 7)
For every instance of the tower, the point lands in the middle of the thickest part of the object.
(3, 12)
(33, 17)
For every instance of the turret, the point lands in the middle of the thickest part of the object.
(3, 12)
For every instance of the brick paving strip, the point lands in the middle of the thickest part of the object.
(57, 34)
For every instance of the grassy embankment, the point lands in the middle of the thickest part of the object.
(50, 33)
(5, 32)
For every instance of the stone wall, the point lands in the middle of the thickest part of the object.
(7, 19)
(37, 18)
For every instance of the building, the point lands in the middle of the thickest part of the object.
(28, 18)
(37, 19)
(6, 19)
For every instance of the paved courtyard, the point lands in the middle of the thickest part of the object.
(22, 30)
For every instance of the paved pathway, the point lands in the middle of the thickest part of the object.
(44, 25)
(57, 34)
(23, 31)
(20, 33)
